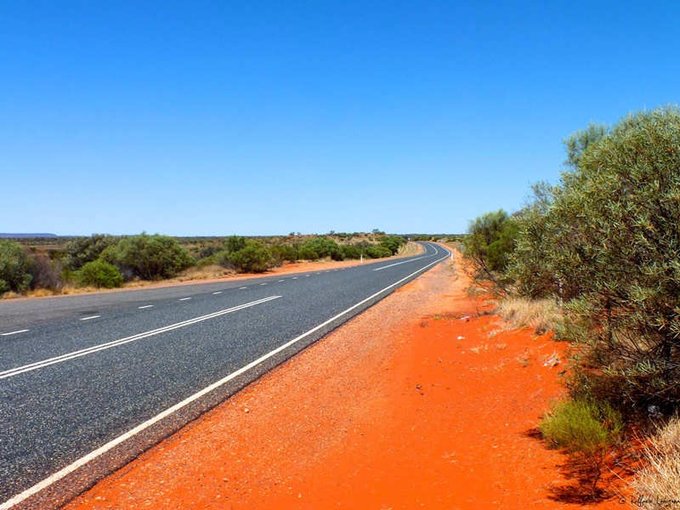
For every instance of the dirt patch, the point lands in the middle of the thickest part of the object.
(413, 404)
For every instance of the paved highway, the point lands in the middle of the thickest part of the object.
(88, 382)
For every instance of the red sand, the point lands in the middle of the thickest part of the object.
(410, 405)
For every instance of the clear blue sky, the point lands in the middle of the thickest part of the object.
(265, 117)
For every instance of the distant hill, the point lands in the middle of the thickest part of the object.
(25, 236)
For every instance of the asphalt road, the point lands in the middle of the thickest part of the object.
(86, 377)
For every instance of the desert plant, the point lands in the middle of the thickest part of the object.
(540, 314)
(657, 485)
(99, 273)
(490, 243)
(149, 257)
(255, 257)
(82, 250)
(586, 430)
(15, 266)
(45, 273)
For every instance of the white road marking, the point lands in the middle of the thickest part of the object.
(242, 288)
(282, 280)
(185, 299)
(216, 293)
(307, 275)
(170, 410)
(145, 306)
(122, 341)
(14, 332)
(399, 263)
(90, 317)
(263, 284)
(294, 278)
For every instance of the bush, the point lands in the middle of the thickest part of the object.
(350, 251)
(392, 243)
(255, 257)
(284, 252)
(490, 242)
(149, 257)
(377, 252)
(86, 249)
(234, 243)
(318, 248)
(580, 426)
(15, 266)
(101, 274)
(45, 273)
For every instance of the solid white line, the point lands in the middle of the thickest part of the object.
(145, 425)
(216, 293)
(14, 332)
(145, 306)
(185, 299)
(115, 343)
(399, 263)
(90, 317)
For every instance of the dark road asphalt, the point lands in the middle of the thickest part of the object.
(82, 376)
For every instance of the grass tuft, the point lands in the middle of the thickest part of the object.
(540, 314)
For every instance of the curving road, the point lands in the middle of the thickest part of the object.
(88, 382)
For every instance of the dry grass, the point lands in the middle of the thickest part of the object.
(540, 314)
(658, 484)
(410, 249)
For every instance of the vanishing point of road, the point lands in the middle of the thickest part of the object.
(88, 382)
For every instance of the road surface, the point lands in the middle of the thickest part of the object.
(88, 382)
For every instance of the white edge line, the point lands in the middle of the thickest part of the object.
(90, 317)
(14, 332)
(170, 410)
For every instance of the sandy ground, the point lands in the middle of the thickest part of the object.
(421, 402)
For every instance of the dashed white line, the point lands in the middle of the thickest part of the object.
(122, 341)
(242, 288)
(171, 410)
(14, 332)
(216, 293)
(282, 280)
(294, 278)
(185, 299)
(145, 306)
(263, 284)
(90, 317)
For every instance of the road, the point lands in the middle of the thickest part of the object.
(88, 382)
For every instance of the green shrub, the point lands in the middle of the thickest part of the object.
(15, 266)
(284, 252)
(377, 252)
(490, 243)
(234, 243)
(350, 251)
(45, 273)
(392, 243)
(80, 251)
(318, 248)
(255, 257)
(581, 426)
(101, 274)
(149, 257)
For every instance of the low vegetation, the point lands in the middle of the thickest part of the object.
(105, 261)
(604, 245)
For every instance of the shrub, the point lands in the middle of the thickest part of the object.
(490, 242)
(378, 252)
(101, 274)
(82, 250)
(234, 243)
(284, 252)
(392, 243)
(149, 257)
(255, 257)
(581, 426)
(45, 273)
(350, 251)
(320, 247)
(15, 266)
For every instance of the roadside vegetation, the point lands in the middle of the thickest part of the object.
(105, 261)
(602, 247)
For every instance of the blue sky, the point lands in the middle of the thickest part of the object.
(266, 117)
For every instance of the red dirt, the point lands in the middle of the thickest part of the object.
(410, 405)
